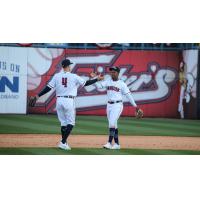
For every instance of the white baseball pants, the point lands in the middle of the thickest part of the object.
(113, 113)
(66, 111)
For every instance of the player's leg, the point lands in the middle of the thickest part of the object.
(116, 136)
(70, 113)
(61, 116)
(66, 132)
(118, 113)
(115, 114)
(111, 135)
(108, 145)
(111, 125)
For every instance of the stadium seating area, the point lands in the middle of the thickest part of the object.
(116, 46)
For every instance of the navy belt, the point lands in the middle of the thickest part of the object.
(112, 102)
(71, 97)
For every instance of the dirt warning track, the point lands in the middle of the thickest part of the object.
(96, 141)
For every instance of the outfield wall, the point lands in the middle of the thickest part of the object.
(13, 80)
(152, 77)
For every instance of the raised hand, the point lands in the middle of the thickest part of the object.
(93, 74)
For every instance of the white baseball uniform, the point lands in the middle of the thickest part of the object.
(115, 92)
(66, 85)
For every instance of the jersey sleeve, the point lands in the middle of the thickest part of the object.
(131, 100)
(102, 84)
(52, 82)
(125, 90)
(80, 81)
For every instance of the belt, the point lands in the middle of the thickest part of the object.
(71, 97)
(112, 102)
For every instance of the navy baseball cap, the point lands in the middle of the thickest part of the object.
(113, 68)
(66, 63)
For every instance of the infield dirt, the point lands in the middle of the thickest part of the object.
(96, 141)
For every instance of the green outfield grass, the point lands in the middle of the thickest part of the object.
(92, 151)
(98, 125)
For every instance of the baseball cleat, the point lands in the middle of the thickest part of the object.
(116, 146)
(107, 146)
(64, 146)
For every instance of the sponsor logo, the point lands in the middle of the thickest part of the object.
(9, 80)
(155, 84)
(13, 85)
(150, 86)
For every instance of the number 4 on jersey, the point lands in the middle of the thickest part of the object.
(64, 82)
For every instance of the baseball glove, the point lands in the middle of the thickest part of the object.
(32, 101)
(139, 113)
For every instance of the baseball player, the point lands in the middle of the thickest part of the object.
(115, 90)
(66, 85)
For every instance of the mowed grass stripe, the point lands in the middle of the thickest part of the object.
(156, 123)
(92, 128)
(103, 119)
(95, 151)
(98, 125)
(31, 127)
(16, 129)
(39, 125)
(32, 119)
(164, 124)
(177, 121)
(131, 124)
(149, 130)
(27, 130)
(51, 118)
(100, 119)
(46, 120)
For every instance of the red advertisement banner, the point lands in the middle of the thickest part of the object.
(152, 77)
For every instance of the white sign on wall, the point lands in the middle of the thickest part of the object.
(13, 80)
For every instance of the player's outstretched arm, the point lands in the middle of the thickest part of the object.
(131, 100)
(92, 81)
(138, 112)
(33, 99)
